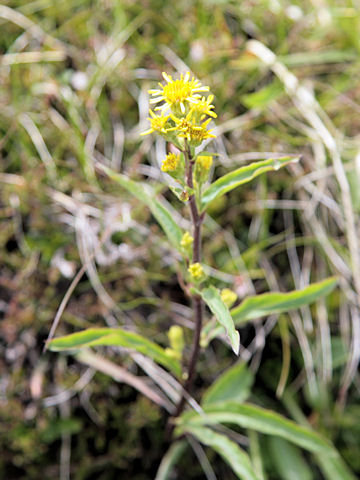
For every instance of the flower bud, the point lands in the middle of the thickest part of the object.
(196, 272)
(202, 167)
(176, 338)
(186, 241)
(228, 297)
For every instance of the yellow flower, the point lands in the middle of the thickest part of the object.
(203, 107)
(186, 241)
(228, 297)
(196, 271)
(176, 94)
(194, 133)
(158, 123)
(170, 163)
(204, 162)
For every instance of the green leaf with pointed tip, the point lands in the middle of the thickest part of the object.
(212, 298)
(261, 420)
(115, 337)
(276, 302)
(233, 384)
(272, 303)
(160, 212)
(233, 455)
(240, 176)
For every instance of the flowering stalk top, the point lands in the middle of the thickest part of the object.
(186, 111)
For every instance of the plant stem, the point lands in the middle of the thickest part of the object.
(197, 220)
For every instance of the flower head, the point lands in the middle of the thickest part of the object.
(177, 94)
(196, 271)
(195, 133)
(171, 162)
(203, 107)
(158, 124)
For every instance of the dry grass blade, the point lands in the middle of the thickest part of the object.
(119, 374)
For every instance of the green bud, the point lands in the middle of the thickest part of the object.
(176, 338)
(228, 297)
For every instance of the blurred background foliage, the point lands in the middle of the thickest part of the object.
(74, 76)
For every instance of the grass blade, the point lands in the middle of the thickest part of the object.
(160, 212)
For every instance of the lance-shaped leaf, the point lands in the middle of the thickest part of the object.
(233, 455)
(233, 384)
(240, 176)
(115, 337)
(272, 303)
(160, 212)
(261, 420)
(276, 302)
(212, 298)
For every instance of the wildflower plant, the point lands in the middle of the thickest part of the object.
(182, 114)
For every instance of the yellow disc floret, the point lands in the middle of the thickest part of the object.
(196, 271)
(177, 94)
(171, 162)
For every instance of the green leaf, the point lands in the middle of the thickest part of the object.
(169, 460)
(288, 460)
(234, 384)
(240, 176)
(334, 468)
(276, 302)
(236, 458)
(115, 337)
(212, 298)
(261, 420)
(262, 97)
(160, 212)
(271, 303)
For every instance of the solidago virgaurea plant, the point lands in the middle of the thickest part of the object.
(182, 113)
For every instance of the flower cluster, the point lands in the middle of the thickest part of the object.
(196, 271)
(183, 111)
